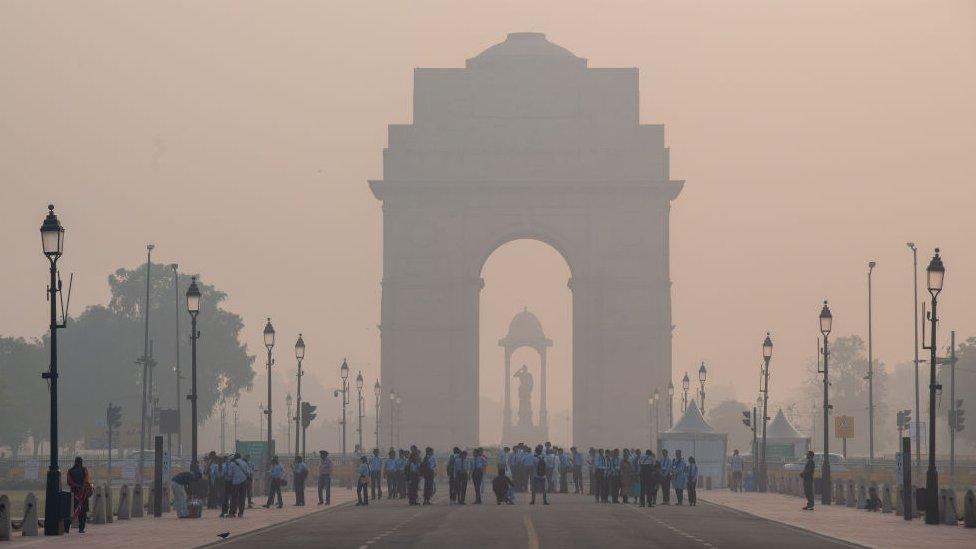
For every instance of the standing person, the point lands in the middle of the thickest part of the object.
(503, 458)
(478, 473)
(79, 481)
(428, 469)
(577, 459)
(325, 477)
(452, 474)
(807, 476)
(213, 472)
(626, 475)
(600, 475)
(362, 481)
(735, 464)
(591, 467)
(375, 475)
(412, 476)
(539, 472)
(635, 455)
(227, 486)
(462, 466)
(299, 474)
(563, 471)
(692, 481)
(249, 487)
(390, 470)
(614, 472)
(679, 475)
(646, 470)
(665, 480)
(502, 486)
(237, 478)
(277, 481)
(552, 463)
(402, 462)
(180, 487)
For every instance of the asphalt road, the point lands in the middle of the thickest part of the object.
(569, 521)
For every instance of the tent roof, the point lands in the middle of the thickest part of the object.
(692, 421)
(782, 428)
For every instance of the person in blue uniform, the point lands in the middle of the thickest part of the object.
(277, 481)
(325, 477)
(300, 473)
(375, 474)
(362, 481)
(390, 470)
(412, 476)
(462, 470)
(577, 462)
(692, 481)
(646, 464)
(679, 475)
(451, 469)
(600, 476)
(665, 481)
(428, 469)
(479, 463)
(539, 475)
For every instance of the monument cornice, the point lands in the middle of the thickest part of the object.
(386, 188)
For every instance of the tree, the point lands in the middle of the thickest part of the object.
(21, 389)
(727, 418)
(965, 390)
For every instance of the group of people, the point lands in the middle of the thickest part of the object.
(616, 475)
(231, 484)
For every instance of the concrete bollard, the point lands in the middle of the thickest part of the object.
(99, 505)
(708, 483)
(886, 505)
(949, 506)
(6, 529)
(969, 510)
(29, 526)
(166, 498)
(862, 496)
(851, 494)
(137, 509)
(108, 504)
(124, 503)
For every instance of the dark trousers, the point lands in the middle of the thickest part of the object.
(563, 481)
(238, 498)
(593, 484)
(477, 477)
(249, 489)
(539, 485)
(325, 483)
(401, 477)
(375, 485)
(692, 493)
(413, 486)
(391, 485)
(362, 492)
(300, 490)
(274, 490)
(666, 489)
(227, 496)
(451, 486)
(808, 491)
(428, 487)
(598, 479)
(614, 487)
(461, 486)
(578, 479)
(679, 493)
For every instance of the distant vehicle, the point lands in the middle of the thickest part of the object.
(837, 463)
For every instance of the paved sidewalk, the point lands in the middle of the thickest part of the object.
(168, 532)
(888, 531)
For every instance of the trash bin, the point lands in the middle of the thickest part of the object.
(748, 481)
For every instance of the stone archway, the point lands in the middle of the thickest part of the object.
(526, 141)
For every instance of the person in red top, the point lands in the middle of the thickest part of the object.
(80, 484)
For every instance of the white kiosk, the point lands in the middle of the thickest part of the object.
(695, 437)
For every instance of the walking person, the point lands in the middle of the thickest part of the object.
(552, 464)
(428, 468)
(665, 479)
(564, 467)
(376, 474)
(614, 471)
(692, 481)
(299, 474)
(277, 481)
(362, 481)
(325, 477)
(735, 464)
(539, 476)
(679, 475)
(80, 484)
(478, 473)
(227, 486)
(807, 476)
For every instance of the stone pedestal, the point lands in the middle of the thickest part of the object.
(29, 526)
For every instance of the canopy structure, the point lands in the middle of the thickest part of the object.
(695, 437)
(783, 441)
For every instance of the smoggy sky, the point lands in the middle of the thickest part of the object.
(238, 137)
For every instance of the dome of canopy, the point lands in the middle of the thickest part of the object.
(525, 46)
(525, 326)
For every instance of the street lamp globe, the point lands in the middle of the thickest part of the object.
(193, 298)
(359, 380)
(392, 395)
(52, 235)
(650, 401)
(670, 389)
(767, 348)
(702, 373)
(936, 274)
(826, 319)
(685, 383)
(344, 370)
(300, 348)
(656, 395)
(376, 389)
(269, 335)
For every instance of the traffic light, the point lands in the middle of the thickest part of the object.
(907, 418)
(901, 419)
(748, 419)
(308, 414)
(114, 416)
(957, 417)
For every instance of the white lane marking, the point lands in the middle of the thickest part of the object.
(679, 531)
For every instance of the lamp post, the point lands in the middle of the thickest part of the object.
(193, 307)
(936, 276)
(269, 341)
(260, 419)
(392, 421)
(344, 391)
(145, 368)
(650, 421)
(826, 324)
(179, 373)
(702, 374)
(52, 242)
(918, 416)
(685, 383)
(359, 409)
(399, 417)
(870, 376)
(767, 351)
(657, 414)
(288, 421)
(299, 355)
(670, 404)
(376, 393)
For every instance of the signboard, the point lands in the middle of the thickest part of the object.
(30, 469)
(257, 449)
(844, 427)
(784, 452)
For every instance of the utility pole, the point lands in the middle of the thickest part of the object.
(145, 364)
(918, 417)
(871, 266)
(179, 376)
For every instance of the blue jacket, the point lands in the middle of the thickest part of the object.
(375, 464)
(692, 473)
(679, 474)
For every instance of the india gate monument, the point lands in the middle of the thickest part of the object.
(525, 142)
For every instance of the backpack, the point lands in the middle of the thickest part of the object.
(540, 466)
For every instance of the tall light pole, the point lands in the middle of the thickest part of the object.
(767, 351)
(179, 374)
(670, 404)
(685, 384)
(918, 417)
(936, 276)
(657, 414)
(870, 377)
(826, 324)
(392, 420)
(702, 374)
(52, 242)
(145, 365)
(269, 341)
(300, 356)
(236, 437)
(288, 422)
(260, 419)
(399, 417)
(193, 307)
(223, 425)
(376, 393)
(650, 421)
(359, 399)
(344, 392)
